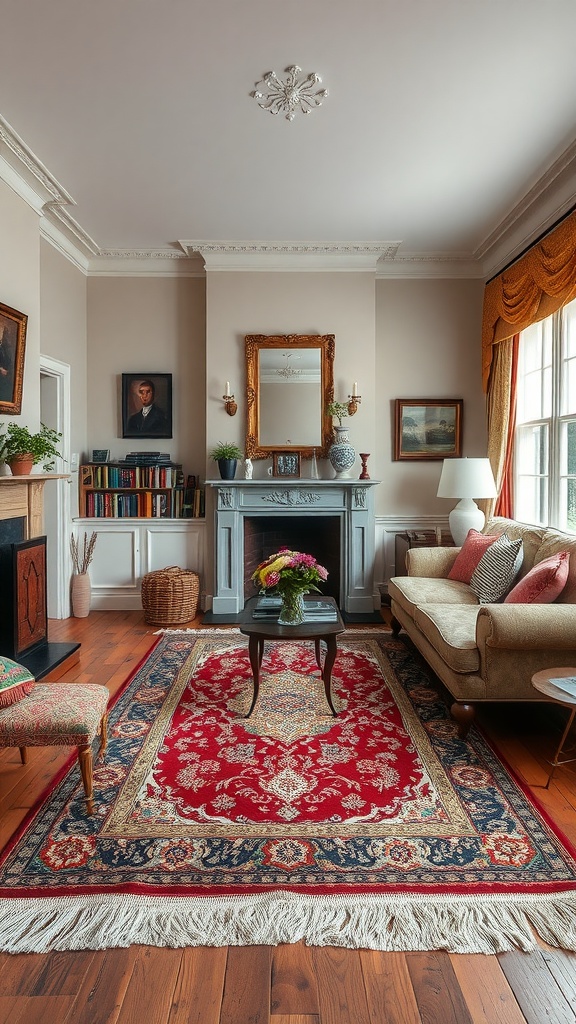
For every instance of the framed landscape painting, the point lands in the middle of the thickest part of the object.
(12, 347)
(427, 428)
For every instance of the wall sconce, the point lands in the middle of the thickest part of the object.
(354, 400)
(229, 403)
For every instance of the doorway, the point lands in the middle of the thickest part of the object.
(55, 413)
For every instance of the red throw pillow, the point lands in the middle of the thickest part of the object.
(470, 554)
(543, 583)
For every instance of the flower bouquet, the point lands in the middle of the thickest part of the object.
(290, 574)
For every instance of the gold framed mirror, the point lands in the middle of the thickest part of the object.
(289, 383)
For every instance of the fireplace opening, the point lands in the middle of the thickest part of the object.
(317, 535)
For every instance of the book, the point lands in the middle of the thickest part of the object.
(567, 684)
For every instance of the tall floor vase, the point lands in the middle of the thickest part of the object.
(80, 593)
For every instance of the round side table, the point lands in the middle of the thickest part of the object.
(542, 681)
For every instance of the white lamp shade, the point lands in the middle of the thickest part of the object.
(467, 478)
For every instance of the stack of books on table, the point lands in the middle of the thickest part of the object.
(268, 609)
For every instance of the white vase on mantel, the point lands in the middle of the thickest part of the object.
(341, 453)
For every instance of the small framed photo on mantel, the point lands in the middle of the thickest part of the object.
(427, 428)
(286, 464)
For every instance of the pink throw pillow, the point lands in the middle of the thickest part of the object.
(470, 554)
(543, 583)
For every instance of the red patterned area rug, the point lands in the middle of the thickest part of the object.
(379, 828)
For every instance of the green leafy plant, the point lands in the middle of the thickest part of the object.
(41, 447)
(225, 450)
(339, 410)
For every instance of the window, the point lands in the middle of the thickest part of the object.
(545, 446)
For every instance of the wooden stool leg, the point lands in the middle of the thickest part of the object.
(103, 734)
(85, 759)
(23, 755)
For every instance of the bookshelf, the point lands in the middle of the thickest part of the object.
(125, 490)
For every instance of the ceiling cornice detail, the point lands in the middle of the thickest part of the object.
(289, 256)
(548, 199)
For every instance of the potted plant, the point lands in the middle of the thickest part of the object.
(226, 454)
(21, 449)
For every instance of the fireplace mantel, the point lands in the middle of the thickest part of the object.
(24, 496)
(349, 500)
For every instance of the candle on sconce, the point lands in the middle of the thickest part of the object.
(355, 388)
(227, 387)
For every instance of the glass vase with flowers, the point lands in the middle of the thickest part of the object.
(290, 575)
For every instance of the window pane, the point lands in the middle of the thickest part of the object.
(569, 328)
(567, 476)
(532, 449)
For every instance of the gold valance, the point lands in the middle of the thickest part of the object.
(533, 288)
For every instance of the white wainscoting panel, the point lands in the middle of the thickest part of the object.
(386, 529)
(126, 549)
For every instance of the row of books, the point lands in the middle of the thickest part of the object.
(146, 504)
(117, 475)
(194, 503)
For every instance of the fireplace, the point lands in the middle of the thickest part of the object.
(23, 622)
(331, 519)
(317, 535)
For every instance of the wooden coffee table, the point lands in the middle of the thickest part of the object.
(542, 681)
(260, 630)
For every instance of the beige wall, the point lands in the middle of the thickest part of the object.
(147, 325)
(20, 289)
(63, 335)
(427, 346)
(243, 303)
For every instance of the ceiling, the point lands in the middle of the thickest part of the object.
(442, 115)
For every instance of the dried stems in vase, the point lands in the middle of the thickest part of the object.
(81, 559)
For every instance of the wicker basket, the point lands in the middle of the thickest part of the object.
(170, 596)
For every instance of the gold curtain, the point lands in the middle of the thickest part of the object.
(533, 288)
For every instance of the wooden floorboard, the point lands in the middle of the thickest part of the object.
(288, 984)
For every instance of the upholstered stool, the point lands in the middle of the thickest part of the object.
(59, 714)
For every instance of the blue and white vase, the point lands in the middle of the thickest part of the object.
(341, 453)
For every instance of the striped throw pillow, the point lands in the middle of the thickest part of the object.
(497, 569)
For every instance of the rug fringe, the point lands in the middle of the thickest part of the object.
(392, 924)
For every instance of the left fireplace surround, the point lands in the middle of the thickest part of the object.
(350, 501)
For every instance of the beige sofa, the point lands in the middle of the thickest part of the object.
(488, 652)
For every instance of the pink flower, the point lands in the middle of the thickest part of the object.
(272, 579)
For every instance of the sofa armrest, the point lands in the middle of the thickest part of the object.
(527, 627)
(430, 562)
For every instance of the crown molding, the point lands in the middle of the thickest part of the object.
(145, 263)
(549, 198)
(60, 241)
(430, 265)
(289, 256)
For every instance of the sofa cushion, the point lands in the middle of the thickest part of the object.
(451, 629)
(469, 555)
(554, 541)
(531, 537)
(497, 570)
(544, 583)
(410, 591)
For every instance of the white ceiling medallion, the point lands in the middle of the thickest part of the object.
(290, 96)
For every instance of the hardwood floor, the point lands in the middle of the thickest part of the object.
(290, 984)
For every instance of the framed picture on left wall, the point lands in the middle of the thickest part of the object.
(146, 405)
(12, 347)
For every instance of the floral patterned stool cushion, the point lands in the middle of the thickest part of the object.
(59, 714)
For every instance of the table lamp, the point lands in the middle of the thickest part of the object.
(466, 479)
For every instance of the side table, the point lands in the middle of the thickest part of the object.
(542, 681)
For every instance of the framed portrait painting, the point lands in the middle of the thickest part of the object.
(146, 405)
(427, 428)
(12, 347)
